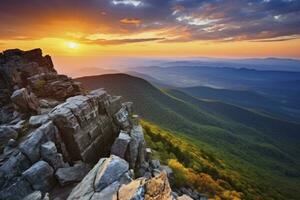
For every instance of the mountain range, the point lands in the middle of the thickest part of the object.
(262, 149)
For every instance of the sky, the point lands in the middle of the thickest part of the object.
(102, 29)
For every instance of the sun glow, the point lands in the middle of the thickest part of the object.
(72, 45)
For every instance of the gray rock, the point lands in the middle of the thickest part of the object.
(129, 107)
(38, 120)
(15, 165)
(147, 175)
(87, 132)
(16, 191)
(25, 101)
(167, 170)
(7, 133)
(155, 164)
(49, 153)
(111, 170)
(155, 172)
(85, 189)
(126, 178)
(115, 104)
(46, 197)
(36, 195)
(120, 145)
(40, 176)
(112, 187)
(31, 145)
(108, 193)
(136, 147)
(10, 147)
(52, 85)
(73, 174)
(133, 191)
(122, 118)
(19, 126)
(48, 103)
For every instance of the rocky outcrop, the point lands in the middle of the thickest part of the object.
(50, 154)
(52, 133)
(7, 133)
(120, 145)
(67, 175)
(52, 84)
(25, 101)
(17, 66)
(31, 146)
(40, 176)
(86, 126)
(106, 179)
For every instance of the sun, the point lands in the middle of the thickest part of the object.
(72, 45)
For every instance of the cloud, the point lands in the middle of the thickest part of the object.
(134, 3)
(134, 21)
(120, 41)
(184, 20)
(278, 39)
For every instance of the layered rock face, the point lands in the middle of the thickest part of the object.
(111, 179)
(52, 135)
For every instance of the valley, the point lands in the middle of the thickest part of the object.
(262, 149)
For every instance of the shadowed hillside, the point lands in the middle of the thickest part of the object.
(260, 102)
(253, 144)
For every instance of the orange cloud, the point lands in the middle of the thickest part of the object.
(134, 21)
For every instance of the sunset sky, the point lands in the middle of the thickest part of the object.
(153, 28)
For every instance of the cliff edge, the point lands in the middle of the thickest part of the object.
(59, 141)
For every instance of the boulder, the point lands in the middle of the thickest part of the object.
(108, 193)
(73, 174)
(126, 178)
(49, 153)
(47, 103)
(134, 190)
(114, 105)
(25, 101)
(17, 66)
(120, 145)
(7, 133)
(6, 113)
(20, 125)
(155, 164)
(38, 120)
(129, 107)
(16, 191)
(122, 118)
(136, 154)
(167, 170)
(103, 180)
(112, 169)
(40, 176)
(46, 196)
(155, 172)
(15, 165)
(87, 132)
(31, 145)
(54, 85)
(158, 188)
(85, 189)
(36, 195)
(10, 146)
